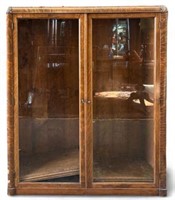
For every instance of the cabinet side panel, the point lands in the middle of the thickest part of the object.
(162, 165)
(10, 106)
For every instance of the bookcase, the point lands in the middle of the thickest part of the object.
(87, 100)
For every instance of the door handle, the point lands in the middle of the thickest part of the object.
(85, 101)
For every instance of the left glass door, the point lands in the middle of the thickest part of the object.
(48, 96)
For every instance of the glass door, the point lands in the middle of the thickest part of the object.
(123, 62)
(48, 94)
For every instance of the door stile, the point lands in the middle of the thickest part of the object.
(88, 99)
(82, 64)
(16, 100)
(157, 98)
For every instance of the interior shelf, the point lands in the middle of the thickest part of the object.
(49, 165)
(123, 170)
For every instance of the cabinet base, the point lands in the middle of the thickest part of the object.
(11, 191)
(89, 191)
(163, 192)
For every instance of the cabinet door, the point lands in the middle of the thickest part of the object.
(48, 68)
(123, 62)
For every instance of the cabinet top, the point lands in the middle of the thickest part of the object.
(99, 9)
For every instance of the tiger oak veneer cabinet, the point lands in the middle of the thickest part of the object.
(87, 100)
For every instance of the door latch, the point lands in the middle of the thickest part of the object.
(85, 101)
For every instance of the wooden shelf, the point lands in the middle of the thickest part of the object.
(49, 165)
(123, 170)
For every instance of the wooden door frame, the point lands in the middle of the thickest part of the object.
(13, 102)
(159, 105)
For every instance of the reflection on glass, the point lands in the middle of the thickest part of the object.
(48, 100)
(123, 100)
(120, 38)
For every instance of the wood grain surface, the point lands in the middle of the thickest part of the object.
(101, 162)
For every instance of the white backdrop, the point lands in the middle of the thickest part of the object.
(4, 4)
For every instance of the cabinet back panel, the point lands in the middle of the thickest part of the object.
(47, 135)
(117, 139)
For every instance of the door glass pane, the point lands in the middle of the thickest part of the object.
(48, 64)
(123, 99)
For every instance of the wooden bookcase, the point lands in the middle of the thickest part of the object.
(87, 100)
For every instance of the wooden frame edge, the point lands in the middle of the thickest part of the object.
(10, 106)
(83, 10)
(163, 71)
(91, 191)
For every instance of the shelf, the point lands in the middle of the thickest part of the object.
(49, 165)
(124, 170)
